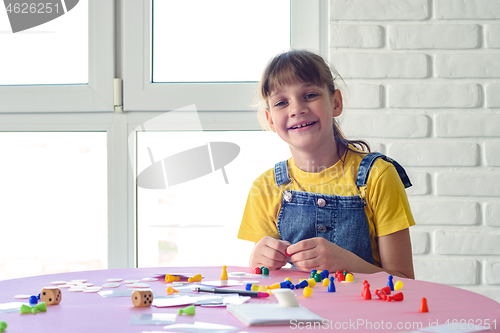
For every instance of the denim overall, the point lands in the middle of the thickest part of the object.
(339, 219)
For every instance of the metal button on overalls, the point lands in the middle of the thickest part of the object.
(321, 228)
(321, 202)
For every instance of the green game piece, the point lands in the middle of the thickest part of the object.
(318, 277)
(42, 307)
(3, 326)
(345, 273)
(189, 310)
(25, 309)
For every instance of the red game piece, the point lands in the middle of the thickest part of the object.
(396, 297)
(257, 270)
(364, 286)
(387, 290)
(381, 294)
(423, 306)
(340, 277)
(367, 294)
(286, 253)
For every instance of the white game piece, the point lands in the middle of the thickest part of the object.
(251, 281)
(114, 280)
(79, 281)
(92, 290)
(58, 282)
(76, 289)
(132, 281)
(149, 279)
(66, 285)
(86, 284)
(110, 285)
(139, 285)
(22, 296)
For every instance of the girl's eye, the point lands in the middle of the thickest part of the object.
(280, 104)
(311, 95)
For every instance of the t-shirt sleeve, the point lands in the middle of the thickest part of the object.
(260, 214)
(388, 201)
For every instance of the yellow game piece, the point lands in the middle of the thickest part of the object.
(223, 276)
(318, 272)
(349, 277)
(254, 287)
(171, 291)
(196, 278)
(274, 286)
(262, 289)
(398, 285)
(311, 282)
(289, 279)
(171, 278)
(326, 282)
(307, 291)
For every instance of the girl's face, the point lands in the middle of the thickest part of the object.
(302, 115)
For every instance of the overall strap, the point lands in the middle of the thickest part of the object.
(281, 173)
(367, 163)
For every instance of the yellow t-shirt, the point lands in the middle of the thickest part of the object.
(387, 208)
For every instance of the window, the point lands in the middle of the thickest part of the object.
(34, 49)
(196, 222)
(44, 56)
(84, 107)
(140, 93)
(226, 45)
(54, 202)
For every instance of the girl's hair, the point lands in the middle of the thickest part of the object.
(302, 66)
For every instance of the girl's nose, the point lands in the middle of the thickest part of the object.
(297, 108)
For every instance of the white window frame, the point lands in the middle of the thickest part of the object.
(97, 95)
(44, 113)
(309, 22)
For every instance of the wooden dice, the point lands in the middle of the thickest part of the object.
(51, 296)
(142, 298)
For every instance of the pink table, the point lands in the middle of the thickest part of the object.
(343, 310)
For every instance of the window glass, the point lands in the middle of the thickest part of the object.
(53, 202)
(195, 223)
(54, 52)
(217, 40)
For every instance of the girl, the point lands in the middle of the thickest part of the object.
(333, 205)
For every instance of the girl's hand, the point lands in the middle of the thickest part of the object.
(318, 253)
(269, 252)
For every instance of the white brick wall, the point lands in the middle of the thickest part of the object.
(423, 86)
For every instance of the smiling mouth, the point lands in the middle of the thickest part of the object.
(303, 125)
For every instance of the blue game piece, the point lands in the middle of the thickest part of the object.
(313, 272)
(33, 300)
(331, 285)
(302, 284)
(324, 274)
(38, 297)
(248, 286)
(390, 283)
